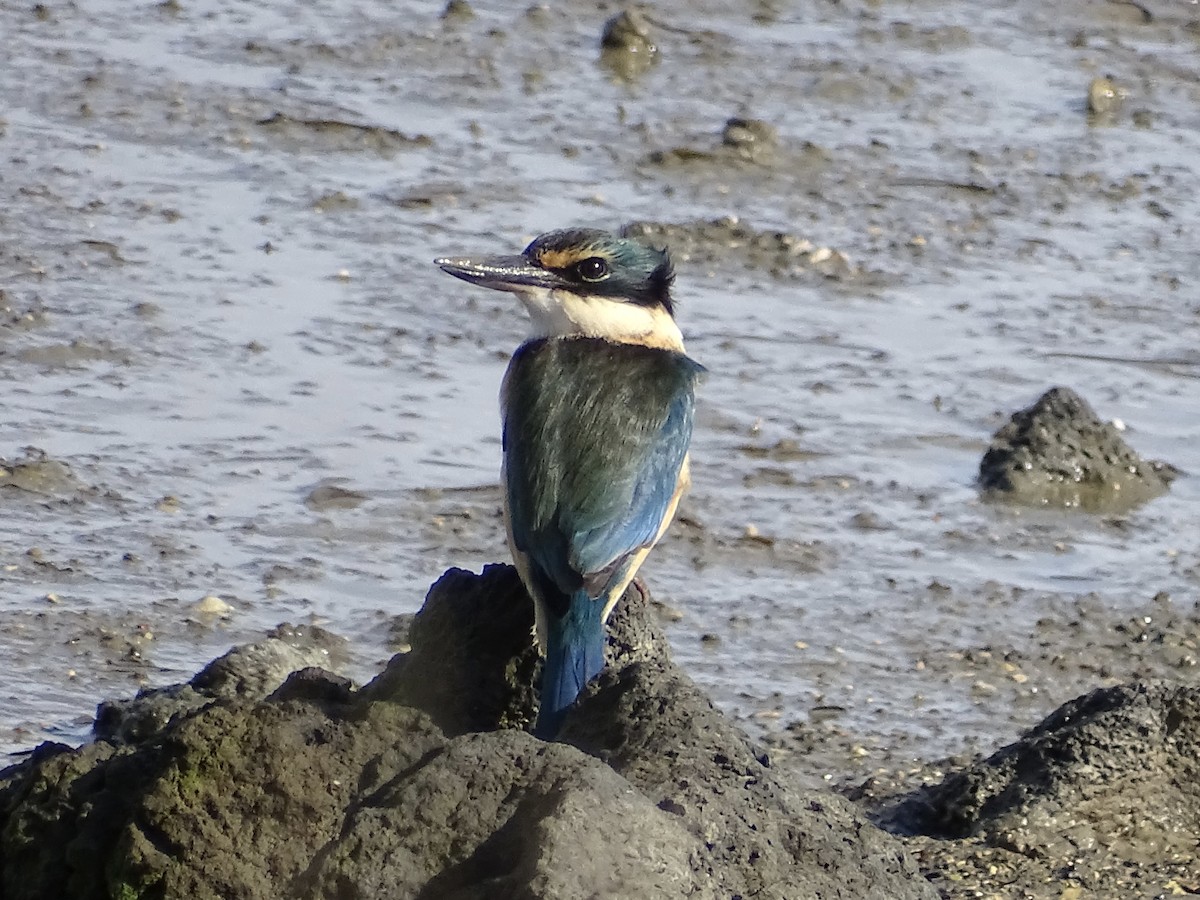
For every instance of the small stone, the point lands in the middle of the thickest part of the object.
(458, 11)
(626, 46)
(212, 605)
(751, 138)
(1104, 97)
(629, 32)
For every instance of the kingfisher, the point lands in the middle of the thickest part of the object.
(597, 407)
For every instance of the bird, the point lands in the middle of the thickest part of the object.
(598, 406)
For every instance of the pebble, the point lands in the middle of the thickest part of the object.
(212, 605)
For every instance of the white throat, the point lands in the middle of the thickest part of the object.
(558, 313)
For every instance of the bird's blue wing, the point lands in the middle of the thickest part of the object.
(655, 469)
(595, 435)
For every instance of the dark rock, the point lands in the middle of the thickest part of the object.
(136, 720)
(471, 665)
(249, 671)
(316, 685)
(236, 800)
(1111, 776)
(1057, 452)
(760, 834)
(320, 791)
(473, 657)
(506, 815)
(252, 671)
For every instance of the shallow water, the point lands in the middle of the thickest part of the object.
(215, 243)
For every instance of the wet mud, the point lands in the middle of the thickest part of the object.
(249, 398)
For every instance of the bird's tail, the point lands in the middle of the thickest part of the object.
(574, 656)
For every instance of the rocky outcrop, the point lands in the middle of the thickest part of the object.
(1109, 782)
(250, 672)
(424, 784)
(419, 786)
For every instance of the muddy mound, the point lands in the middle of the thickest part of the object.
(406, 788)
(1057, 452)
(1109, 781)
(728, 240)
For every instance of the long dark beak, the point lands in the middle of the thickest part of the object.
(502, 273)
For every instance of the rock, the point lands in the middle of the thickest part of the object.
(458, 11)
(236, 800)
(465, 676)
(1058, 453)
(506, 815)
(212, 606)
(758, 833)
(36, 473)
(628, 31)
(321, 791)
(1108, 779)
(752, 138)
(255, 670)
(249, 671)
(1104, 98)
(627, 47)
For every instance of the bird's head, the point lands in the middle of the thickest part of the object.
(583, 281)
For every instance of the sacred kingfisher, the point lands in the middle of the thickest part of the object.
(597, 409)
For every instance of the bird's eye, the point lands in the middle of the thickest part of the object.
(593, 268)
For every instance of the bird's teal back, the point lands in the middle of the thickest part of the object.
(595, 434)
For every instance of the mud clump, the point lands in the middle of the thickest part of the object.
(1057, 452)
(746, 145)
(38, 474)
(1104, 100)
(781, 253)
(627, 45)
(458, 11)
(315, 134)
(319, 790)
(752, 138)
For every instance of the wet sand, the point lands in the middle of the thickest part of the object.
(218, 309)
